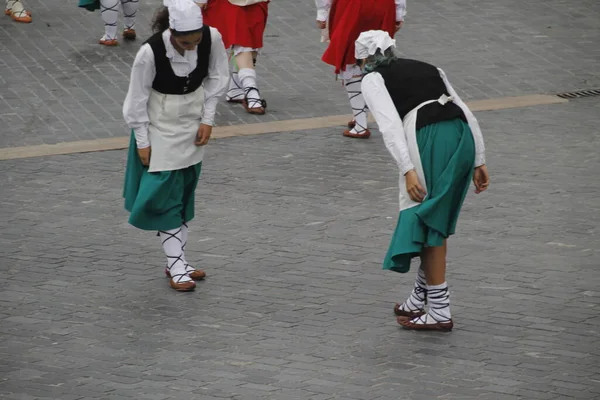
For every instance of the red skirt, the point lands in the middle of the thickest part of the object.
(243, 26)
(348, 19)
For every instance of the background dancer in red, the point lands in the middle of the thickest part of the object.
(242, 24)
(347, 20)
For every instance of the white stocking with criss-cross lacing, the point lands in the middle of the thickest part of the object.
(438, 297)
(418, 298)
(247, 77)
(172, 244)
(357, 101)
(130, 8)
(109, 9)
(184, 238)
(236, 90)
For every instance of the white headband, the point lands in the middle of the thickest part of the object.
(184, 15)
(368, 42)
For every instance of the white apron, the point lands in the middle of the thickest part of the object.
(410, 123)
(174, 123)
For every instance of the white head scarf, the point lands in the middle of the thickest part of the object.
(368, 42)
(184, 15)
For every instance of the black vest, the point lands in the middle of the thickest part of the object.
(412, 82)
(165, 81)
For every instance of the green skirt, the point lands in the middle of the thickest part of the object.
(158, 200)
(447, 153)
(90, 5)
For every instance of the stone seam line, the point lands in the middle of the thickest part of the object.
(118, 143)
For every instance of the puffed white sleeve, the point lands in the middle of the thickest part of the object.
(388, 120)
(400, 9)
(217, 80)
(471, 120)
(323, 7)
(135, 107)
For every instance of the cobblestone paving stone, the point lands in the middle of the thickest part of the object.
(292, 229)
(57, 84)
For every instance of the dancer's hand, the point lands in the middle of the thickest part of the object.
(413, 187)
(321, 24)
(481, 179)
(203, 135)
(145, 155)
(399, 25)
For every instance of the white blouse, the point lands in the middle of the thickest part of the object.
(390, 125)
(143, 72)
(323, 7)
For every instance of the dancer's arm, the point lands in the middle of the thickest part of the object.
(217, 80)
(400, 10)
(323, 7)
(473, 123)
(135, 108)
(388, 120)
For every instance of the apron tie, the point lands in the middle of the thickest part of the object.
(445, 99)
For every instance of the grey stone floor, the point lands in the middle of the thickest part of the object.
(292, 229)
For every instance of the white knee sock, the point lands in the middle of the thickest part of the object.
(236, 90)
(357, 101)
(130, 8)
(110, 13)
(438, 297)
(418, 298)
(247, 77)
(172, 244)
(16, 8)
(184, 239)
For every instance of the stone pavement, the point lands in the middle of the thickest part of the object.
(57, 84)
(292, 228)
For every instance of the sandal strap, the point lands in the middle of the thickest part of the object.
(252, 103)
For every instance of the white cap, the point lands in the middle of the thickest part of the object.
(368, 42)
(184, 15)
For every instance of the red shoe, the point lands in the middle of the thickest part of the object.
(437, 326)
(18, 14)
(195, 274)
(108, 42)
(365, 135)
(407, 314)
(129, 34)
(183, 286)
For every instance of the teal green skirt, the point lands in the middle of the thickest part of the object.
(90, 5)
(158, 200)
(447, 154)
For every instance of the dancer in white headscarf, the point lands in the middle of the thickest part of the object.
(347, 19)
(437, 144)
(177, 79)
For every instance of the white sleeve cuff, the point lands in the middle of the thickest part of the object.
(141, 137)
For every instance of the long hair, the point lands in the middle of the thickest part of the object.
(161, 23)
(380, 59)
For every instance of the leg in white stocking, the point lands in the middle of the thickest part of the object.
(130, 8)
(438, 317)
(414, 306)
(172, 243)
(252, 99)
(235, 94)
(17, 12)
(359, 107)
(192, 272)
(110, 13)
